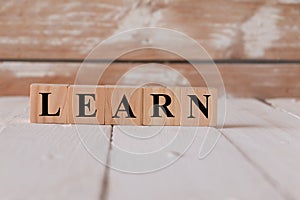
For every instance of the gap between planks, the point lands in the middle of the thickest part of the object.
(105, 190)
(105, 180)
(44, 161)
(285, 129)
(276, 182)
(256, 165)
(260, 169)
(290, 106)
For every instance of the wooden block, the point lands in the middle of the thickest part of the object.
(48, 103)
(123, 105)
(199, 106)
(86, 104)
(161, 106)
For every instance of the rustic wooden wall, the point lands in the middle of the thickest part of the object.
(256, 43)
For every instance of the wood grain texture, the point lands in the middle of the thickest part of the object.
(115, 102)
(166, 111)
(93, 104)
(71, 29)
(43, 161)
(56, 102)
(223, 174)
(269, 138)
(192, 115)
(241, 80)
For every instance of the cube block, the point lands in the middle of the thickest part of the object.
(86, 104)
(162, 106)
(48, 103)
(199, 106)
(124, 105)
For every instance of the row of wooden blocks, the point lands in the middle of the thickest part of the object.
(89, 104)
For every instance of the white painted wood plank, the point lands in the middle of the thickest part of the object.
(269, 138)
(291, 106)
(223, 174)
(12, 107)
(47, 161)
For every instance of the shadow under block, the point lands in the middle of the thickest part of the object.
(199, 106)
(86, 104)
(161, 106)
(48, 103)
(123, 105)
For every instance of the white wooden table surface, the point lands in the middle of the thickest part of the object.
(257, 156)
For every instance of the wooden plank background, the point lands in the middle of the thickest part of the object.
(227, 29)
(242, 80)
(256, 44)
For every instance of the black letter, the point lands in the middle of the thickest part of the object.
(127, 108)
(45, 106)
(156, 105)
(82, 105)
(199, 105)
